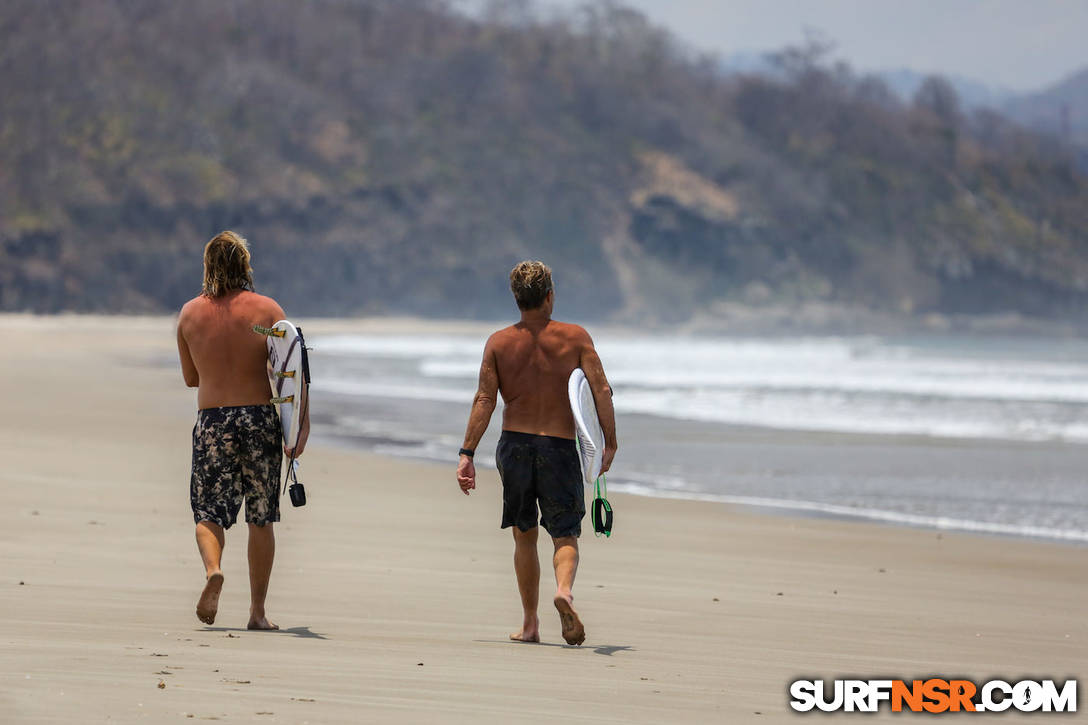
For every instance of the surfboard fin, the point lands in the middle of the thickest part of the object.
(268, 331)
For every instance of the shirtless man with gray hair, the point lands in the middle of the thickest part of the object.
(529, 363)
(237, 440)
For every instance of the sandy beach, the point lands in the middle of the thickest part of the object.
(396, 593)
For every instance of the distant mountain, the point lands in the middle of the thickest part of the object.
(1061, 109)
(755, 62)
(972, 93)
(904, 83)
(394, 156)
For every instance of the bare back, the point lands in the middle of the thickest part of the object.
(529, 364)
(220, 353)
(534, 364)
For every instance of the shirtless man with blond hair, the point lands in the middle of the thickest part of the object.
(237, 440)
(529, 363)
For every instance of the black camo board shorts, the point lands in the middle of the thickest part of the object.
(540, 470)
(237, 452)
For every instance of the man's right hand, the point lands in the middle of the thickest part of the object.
(609, 454)
(466, 474)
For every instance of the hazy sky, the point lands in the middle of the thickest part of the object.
(1016, 44)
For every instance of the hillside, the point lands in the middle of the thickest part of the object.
(392, 156)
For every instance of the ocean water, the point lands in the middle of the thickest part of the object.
(985, 435)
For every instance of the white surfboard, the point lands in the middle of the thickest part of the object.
(587, 427)
(287, 374)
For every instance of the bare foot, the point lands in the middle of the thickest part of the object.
(208, 604)
(573, 631)
(261, 623)
(530, 631)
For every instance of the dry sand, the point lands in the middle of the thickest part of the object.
(396, 593)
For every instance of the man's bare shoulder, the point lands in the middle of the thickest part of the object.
(192, 307)
(571, 332)
(262, 301)
(258, 308)
(498, 337)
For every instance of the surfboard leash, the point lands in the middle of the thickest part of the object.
(299, 498)
(602, 510)
(297, 491)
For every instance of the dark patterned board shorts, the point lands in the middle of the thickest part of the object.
(541, 470)
(237, 452)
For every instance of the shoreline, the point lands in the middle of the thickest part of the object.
(635, 484)
(788, 508)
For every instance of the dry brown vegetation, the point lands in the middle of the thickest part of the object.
(406, 156)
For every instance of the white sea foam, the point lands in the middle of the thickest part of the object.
(403, 346)
(395, 389)
(984, 389)
(854, 385)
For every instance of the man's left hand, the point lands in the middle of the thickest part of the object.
(466, 474)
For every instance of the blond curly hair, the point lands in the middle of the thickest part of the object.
(226, 265)
(530, 281)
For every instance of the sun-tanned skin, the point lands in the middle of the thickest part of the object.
(529, 363)
(222, 357)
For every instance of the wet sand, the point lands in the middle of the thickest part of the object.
(396, 593)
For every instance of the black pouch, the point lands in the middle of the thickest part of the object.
(296, 490)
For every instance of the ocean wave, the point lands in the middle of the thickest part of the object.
(789, 410)
(848, 385)
(1001, 390)
(407, 390)
(724, 367)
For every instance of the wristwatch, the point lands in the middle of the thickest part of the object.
(467, 452)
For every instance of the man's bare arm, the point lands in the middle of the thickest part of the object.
(483, 406)
(188, 367)
(602, 395)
